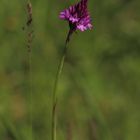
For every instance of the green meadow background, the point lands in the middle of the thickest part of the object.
(99, 89)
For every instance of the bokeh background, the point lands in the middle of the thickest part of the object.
(99, 90)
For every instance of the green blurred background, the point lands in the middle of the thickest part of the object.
(99, 91)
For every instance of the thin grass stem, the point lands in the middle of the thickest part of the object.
(29, 45)
(31, 93)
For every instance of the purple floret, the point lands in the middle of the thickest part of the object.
(77, 16)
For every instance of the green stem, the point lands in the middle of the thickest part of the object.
(29, 31)
(31, 93)
(54, 102)
(29, 44)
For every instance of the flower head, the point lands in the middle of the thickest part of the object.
(77, 16)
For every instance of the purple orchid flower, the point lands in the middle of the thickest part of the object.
(77, 16)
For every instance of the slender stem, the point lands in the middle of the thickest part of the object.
(31, 93)
(29, 31)
(54, 102)
(29, 45)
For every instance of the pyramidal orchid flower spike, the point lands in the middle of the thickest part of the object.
(78, 19)
(77, 16)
